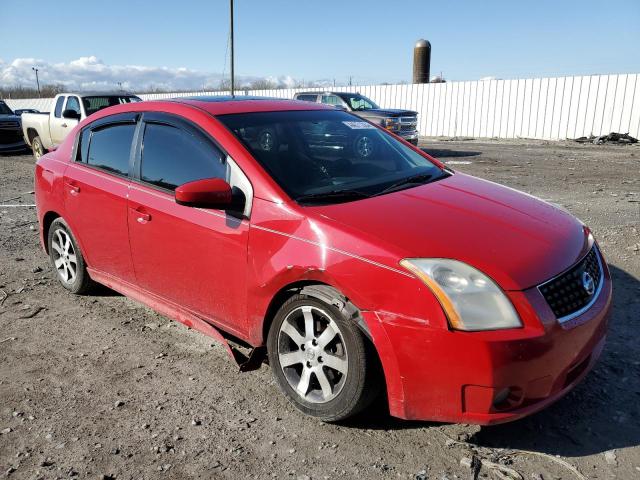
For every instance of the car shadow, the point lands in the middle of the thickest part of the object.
(600, 414)
(448, 153)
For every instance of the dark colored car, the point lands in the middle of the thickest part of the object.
(403, 123)
(10, 130)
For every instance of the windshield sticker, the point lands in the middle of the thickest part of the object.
(359, 125)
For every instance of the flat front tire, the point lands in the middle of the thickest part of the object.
(321, 360)
(66, 258)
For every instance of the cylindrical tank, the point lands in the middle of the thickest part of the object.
(421, 61)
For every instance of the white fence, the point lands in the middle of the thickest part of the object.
(543, 108)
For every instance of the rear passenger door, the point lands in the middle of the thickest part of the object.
(96, 186)
(193, 257)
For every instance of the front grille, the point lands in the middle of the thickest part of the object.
(408, 123)
(9, 124)
(569, 292)
(10, 136)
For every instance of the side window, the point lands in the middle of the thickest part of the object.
(331, 100)
(307, 98)
(73, 104)
(58, 110)
(108, 148)
(172, 156)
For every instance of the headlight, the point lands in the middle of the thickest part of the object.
(471, 300)
(391, 123)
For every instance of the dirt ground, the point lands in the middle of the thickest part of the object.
(101, 387)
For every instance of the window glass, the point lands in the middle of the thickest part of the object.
(58, 110)
(109, 148)
(83, 146)
(307, 98)
(73, 104)
(93, 104)
(331, 100)
(171, 157)
(320, 152)
(358, 102)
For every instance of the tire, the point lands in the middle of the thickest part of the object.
(268, 140)
(37, 147)
(364, 146)
(298, 360)
(66, 258)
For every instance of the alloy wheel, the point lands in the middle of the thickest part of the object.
(312, 354)
(64, 256)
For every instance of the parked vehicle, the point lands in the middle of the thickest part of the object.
(470, 302)
(45, 131)
(20, 111)
(10, 130)
(401, 122)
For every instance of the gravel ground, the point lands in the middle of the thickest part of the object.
(102, 387)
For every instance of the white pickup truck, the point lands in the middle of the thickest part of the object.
(46, 130)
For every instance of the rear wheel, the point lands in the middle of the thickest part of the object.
(66, 258)
(37, 147)
(320, 359)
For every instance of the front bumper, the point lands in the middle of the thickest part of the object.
(409, 136)
(12, 147)
(488, 377)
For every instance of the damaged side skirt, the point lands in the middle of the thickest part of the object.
(245, 362)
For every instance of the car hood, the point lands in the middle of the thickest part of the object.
(387, 112)
(517, 239)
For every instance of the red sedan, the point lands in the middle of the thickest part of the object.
(351, 261)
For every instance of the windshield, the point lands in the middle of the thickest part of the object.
(4, 109)
(358, 102)
(322, 156)
(93, 104)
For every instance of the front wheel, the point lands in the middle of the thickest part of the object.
(320, 359)
(37, 147)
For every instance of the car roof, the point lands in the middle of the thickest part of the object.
(225, 104)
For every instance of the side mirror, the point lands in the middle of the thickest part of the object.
(71, 114)
(205, 193)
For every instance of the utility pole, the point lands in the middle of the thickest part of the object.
(231, 41)
(350, 83)
(120, 85)
(37, 80)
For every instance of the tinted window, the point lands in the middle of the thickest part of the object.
(4, 109)
(93, 104)
(307, 98)
(324, 152)
(73, 104)
(171, 157)
(58, 111)
(109, 147)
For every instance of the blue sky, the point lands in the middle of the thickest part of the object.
(368, 40)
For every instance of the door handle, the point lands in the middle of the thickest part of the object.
(64, 125)
(141, 217)
(73, 189)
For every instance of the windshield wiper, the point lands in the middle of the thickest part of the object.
(335, 195)
(412, 180)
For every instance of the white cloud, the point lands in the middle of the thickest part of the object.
(91, 73)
